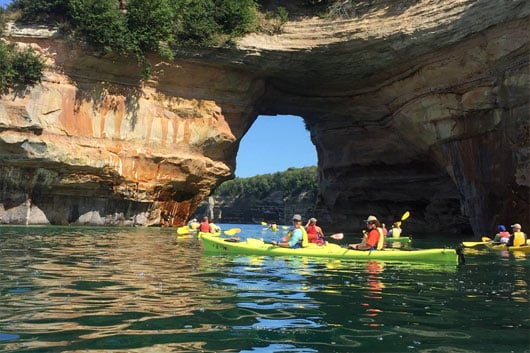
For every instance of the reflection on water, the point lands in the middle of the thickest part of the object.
(65, 289)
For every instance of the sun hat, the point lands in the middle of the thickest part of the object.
(516, 226)
(502, 228)
(312, 220)
(371, 218)
(297, 217)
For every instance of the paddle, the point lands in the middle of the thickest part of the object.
(264, 223)
(183, 230)
(405, 216)
(232, 231)
(470, 244)
(485, 240)
(337, 236)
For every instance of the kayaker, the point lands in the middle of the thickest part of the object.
(205, 226)
(296, 237)
(193, 224)
(314, 232)
(517, 238)
(373, 236)
(395, 231)
(503, 236)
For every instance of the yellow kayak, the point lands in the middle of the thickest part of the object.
(253, 246)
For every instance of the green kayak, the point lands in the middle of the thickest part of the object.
(252, 246)
(403, 240)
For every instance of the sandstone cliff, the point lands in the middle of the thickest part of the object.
(417, 105)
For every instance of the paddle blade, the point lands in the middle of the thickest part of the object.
(486, 239)
(183, 230)
(232, 231)
(263, 223)
(405, 215)
(470, 244)
(337, 236)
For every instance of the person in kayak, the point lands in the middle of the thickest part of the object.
(296, 237)
(314, 232)
(503, 236)
(374, 237)
(517, 238)
(395, 231)
(205, 226)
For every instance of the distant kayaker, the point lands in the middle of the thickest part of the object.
(273, 227)
(517, 238)
(296, 237)
(373, 236)
(503, 236)
(205, 226)
(395, 231)
(314, 232)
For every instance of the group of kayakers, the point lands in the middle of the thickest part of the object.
(516, 238)
(300, 236)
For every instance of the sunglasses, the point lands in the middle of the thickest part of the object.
(371, 222)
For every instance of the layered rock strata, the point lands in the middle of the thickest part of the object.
(418, 105)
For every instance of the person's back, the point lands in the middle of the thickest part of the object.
(204, 226)
(503, 236)
(518, 238)
(314, 233)
(395, 231)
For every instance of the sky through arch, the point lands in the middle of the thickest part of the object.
(274, 144)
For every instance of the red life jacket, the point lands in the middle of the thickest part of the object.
(204, 227)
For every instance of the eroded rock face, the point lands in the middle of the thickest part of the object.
(421, 106)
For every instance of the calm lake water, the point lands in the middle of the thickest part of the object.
(80, 289)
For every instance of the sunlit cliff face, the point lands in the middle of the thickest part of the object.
(420, 107)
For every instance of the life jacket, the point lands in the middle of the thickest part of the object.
(519, 239)
(204, 227)
(312, 233)
(305, 240)
(396, 232)
(504, 237)
(381, 241)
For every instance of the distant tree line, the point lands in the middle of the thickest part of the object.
(292, 183)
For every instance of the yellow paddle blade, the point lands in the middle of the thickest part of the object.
(405, 215)
(285, 227)
(183, 230)
(255, 242)
(486, 239)
(470, 244)
(232, 231)
(263, 223)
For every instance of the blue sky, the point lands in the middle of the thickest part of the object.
(273, 144)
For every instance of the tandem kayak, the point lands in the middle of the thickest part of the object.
(496, 246)
(252, 246)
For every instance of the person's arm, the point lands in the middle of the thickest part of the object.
(296, 237)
